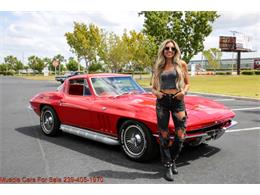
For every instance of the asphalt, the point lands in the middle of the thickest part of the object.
(28, 155)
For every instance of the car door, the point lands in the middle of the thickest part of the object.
(76, 105)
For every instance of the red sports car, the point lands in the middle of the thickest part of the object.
(114, 109)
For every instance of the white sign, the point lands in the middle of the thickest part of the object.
(45, 71)
(193, 69)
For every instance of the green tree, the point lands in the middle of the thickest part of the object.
(151, 49)
(141, 50)
(113, 52)
(19, 65)
(135, 49)
(96, 67)
(60, 58)
(11, 62)
(3, 68)
(61, 66)
(85, 41)
(213, 55)
(189, 28)
(36, 63)
(72, 64)
(48, 62)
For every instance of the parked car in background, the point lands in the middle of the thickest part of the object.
(257, 64)
(114, 109)
(62, 78)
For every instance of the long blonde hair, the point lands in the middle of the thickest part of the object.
(161, 62)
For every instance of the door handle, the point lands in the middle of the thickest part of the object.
(104, 108)
(62, 102)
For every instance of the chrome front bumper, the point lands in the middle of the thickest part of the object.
(29, 107)
(211, 134)
(214, 133)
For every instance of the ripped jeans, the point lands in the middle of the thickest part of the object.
(170, 149)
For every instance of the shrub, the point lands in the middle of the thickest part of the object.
(223, 73)
(8, 73)
(248, 72)
(257, 72)
(220, 73)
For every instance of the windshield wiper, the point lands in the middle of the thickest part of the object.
(129, 92)
(124, 93)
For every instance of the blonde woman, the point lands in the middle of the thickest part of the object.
(170, 85)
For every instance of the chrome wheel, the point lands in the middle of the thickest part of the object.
(137, 141)
(47, 122)
(134, 141)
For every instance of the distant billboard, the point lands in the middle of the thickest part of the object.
(227, 43)
(239, 43)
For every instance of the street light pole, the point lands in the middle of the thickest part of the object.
(234, 34)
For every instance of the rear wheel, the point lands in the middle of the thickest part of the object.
(137, 141)
(49, 121)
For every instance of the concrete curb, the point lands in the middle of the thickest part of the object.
(229, 96)
(220, 95)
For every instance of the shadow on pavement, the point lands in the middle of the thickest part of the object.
(114, 155)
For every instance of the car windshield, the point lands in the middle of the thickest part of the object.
(67, 74)
(115, 86)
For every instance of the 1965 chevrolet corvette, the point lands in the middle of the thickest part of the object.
(114, 109)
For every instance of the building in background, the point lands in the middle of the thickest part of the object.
(226, 64)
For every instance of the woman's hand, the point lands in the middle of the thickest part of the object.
(159, 95)
(180, 95)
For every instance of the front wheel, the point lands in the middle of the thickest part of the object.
(49, 121)
(137, 141)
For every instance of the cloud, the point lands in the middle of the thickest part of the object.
(42, 33)
(239, 19)
(244, 23)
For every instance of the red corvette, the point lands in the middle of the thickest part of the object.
(114, 109)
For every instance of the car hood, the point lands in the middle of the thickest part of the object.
(201, 111)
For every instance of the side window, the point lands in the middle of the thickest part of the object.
(79, 87)
(86, 91)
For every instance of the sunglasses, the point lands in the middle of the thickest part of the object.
(172, 48)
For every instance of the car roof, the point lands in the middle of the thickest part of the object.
(100, 75)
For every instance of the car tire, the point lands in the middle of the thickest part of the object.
(49, 121)
(137, 141)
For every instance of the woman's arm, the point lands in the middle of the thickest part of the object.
(155, 91)
(184, 91)
(186, 77)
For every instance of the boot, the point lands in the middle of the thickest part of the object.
(174, 168)
(169, 175)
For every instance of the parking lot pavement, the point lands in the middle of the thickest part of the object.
(26, 153)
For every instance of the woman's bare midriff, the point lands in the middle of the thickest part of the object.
(170, 91)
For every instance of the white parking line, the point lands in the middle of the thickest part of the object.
(252, 108)
(223, 100)
(245, 129)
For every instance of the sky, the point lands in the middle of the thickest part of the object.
(41, 33)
